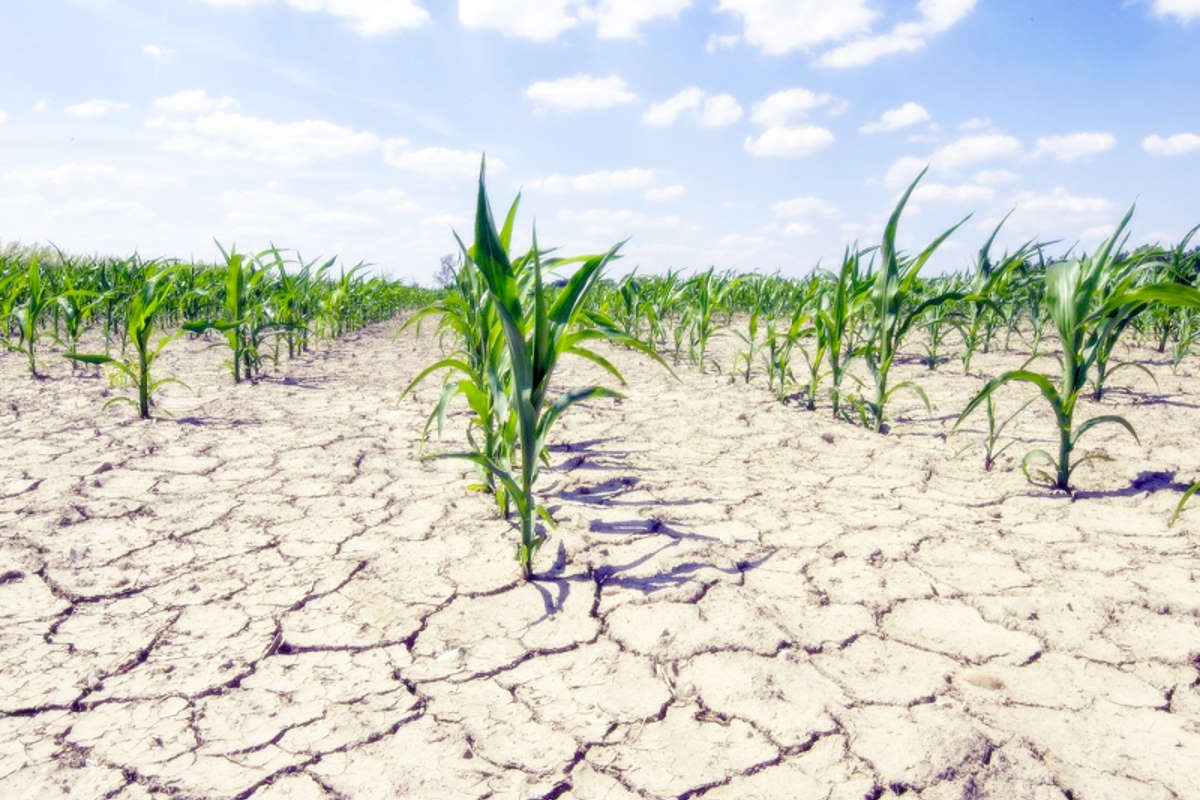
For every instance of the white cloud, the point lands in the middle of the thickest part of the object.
(3, 116)
(787, 106)
(896, 118)
(599, 182)
(962, 152)
(194, 101)
(720, 110)
(995, 176)
(97, 107)
(40, 106)
(445, 221)
(616, 222)
(1060, 201)
(665, 193)
(972, 149)
(544, 20)
(713, 111)
(1177, 145)
(943, 193)
(367, 17)
(1183, 10)
(668, 111)
(975, 123)
(793, 142)
(721, 42)
(618, 19)
(102, 207)
(934, 17)
(225, 135)
(440, 162)
(540, 20)
(580, 92)
(393, 201)
(76, 173)
(803, 207)
(1072, 146)
(903, 171)
(798, 229)
(781, 26)
(739, 241)
(156, 51)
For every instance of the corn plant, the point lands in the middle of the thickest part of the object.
(538, 327)
(141, 311)
(838, 314)
(1083, 318)
(479, 361)
(707, 292)
(894, 287)
(29, 301)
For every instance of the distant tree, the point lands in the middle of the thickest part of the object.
(445, 274)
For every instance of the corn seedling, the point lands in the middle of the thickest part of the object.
(539, 327)
(1082, 318)
(142, 308)
(893, 289)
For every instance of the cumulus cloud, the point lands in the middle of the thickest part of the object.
(1073, 146)
(713, 111)
(437, 162)
(1177, 145)
(933, 17)
(1182, 10)
(366, 17)
(720, 110)
(665, 193)
(778, 27)
(80, 173)
(803, 207)
(789, 141)
(1060, 201)
(580, 92)
(614, 222)
(945, 193)
(224, 135)
(156, 51)
(995, 176)
(545, 20)
(95, 108)
(194, 101)
(790, 105)
(668, 111)
(619, 19)
(896, 118)
(599, 182)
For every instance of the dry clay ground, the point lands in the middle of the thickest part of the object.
(271, 596)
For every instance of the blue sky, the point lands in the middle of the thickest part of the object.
(753, 134)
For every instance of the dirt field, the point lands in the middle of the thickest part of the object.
(271, 596)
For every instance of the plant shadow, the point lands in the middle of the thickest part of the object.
(1147, 482)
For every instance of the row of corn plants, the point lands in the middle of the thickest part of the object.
(128, 310)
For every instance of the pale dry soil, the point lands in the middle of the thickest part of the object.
(272, 596)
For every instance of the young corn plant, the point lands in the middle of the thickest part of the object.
(1082, 319)
(838, 315)
(142, 308)
(30, 299)
(892, 295)
(539, 327)
(477, 368)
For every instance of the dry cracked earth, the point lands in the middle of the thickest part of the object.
(272, 595)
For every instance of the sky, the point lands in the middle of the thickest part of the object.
(748, 134)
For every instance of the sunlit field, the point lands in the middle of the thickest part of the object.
(284, 529)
